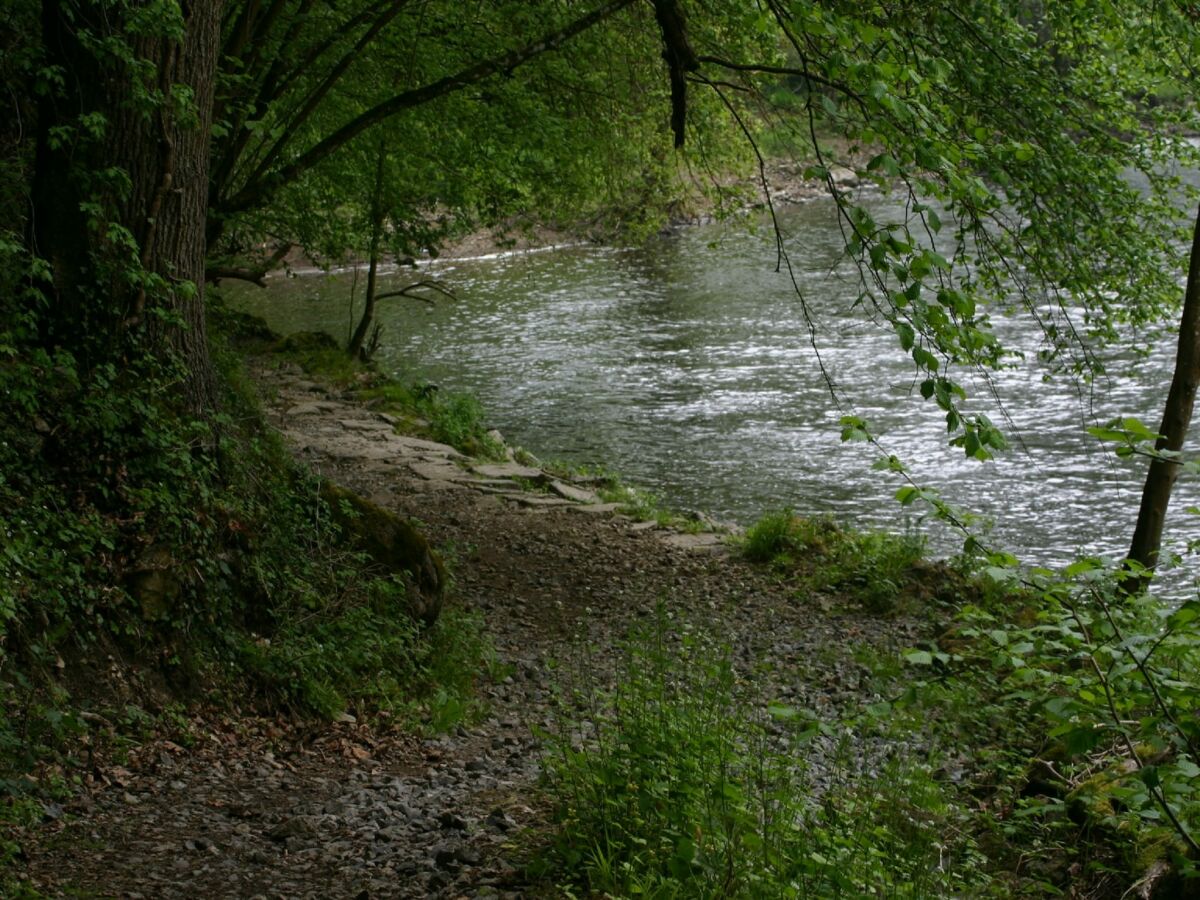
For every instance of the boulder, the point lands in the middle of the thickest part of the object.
(154, 583)
(393, 544)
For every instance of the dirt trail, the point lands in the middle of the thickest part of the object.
(346, 811)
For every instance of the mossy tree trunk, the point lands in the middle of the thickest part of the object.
(121, 183)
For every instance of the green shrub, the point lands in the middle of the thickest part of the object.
(875, 568)
(683, 783)
(772, 537)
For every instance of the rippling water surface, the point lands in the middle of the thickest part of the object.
(687, 367)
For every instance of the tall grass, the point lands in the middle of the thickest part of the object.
(682, 782)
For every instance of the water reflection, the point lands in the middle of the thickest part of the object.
(687, 366)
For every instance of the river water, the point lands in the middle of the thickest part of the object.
(686, 366)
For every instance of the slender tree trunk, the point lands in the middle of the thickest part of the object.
(368, 314)
(1177, 416)
(121, 206)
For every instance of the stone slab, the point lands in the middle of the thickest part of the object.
(700, 543)
(364, 425)
(439, 471)
(420, 445)
(596, 508)
(536, 502)
(509, 470)
(579, 495)
(311, 408)
(358, 451)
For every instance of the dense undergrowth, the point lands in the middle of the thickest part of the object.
(150, 562)
(1043, 743)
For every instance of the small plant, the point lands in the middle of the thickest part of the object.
(875, 568)
(772, 538)
(683, 783)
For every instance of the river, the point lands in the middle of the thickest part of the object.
(686, 366)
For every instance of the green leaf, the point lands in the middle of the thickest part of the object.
(924, 359)
(781, 711)
(886, 163)
(1188, 612)
(1081, 566)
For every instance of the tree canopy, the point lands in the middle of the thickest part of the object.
(149, 147)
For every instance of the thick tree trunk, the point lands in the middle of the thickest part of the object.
(1177, 417)
(121, 205)
(368, 315)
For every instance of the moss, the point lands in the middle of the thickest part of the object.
(392, 543)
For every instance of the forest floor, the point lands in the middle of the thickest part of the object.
(266, 808)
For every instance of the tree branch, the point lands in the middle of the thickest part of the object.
(213, 274)
(313, 100)
(260, 189)
(410, 290)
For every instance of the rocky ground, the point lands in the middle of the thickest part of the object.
(262, 809)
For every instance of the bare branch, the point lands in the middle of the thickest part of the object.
(213, 274)
(411, 290)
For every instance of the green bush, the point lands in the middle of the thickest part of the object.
(683, 783)
(875, 568)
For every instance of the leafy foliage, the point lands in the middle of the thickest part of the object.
(878, 569)
(691, 786)
(199, 547)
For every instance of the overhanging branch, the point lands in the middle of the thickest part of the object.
(261, 189)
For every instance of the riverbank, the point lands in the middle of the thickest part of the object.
(780, 184)
(636, 671)
(354, 809)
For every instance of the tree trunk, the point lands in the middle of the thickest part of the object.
(122, 204)
(368, 315)
(1181, 399)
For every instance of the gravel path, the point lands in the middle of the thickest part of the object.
(259, 809)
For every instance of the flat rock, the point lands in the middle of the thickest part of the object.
(537, 500)
(364, 425)
(422, 445)
(509, 470)
(439, 471)
(598, 509)
(579, 495)
(311, 408)
(358, 450)
(701, 543)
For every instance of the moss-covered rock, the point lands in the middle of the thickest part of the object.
(306, 342)
(392, 543)
(154, 583)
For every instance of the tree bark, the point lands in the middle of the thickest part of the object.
(121, 206)
(1177, 417)
(368, 315)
